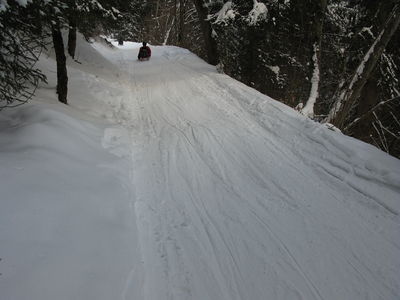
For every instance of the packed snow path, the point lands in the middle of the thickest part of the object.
(165, 180)
(238, 197)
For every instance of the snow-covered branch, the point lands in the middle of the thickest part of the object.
(352, 91)
(308, 109)
(257, 14)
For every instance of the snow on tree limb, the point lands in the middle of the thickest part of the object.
(225, 14)
(352, 92)
(308, 109)
(257, 14)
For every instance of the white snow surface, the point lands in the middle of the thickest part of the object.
(167, 180)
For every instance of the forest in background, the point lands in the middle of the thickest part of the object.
(335, 61)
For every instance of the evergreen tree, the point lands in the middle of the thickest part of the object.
(174, 22)
(129, 25)
(21, 42)
(24, 30)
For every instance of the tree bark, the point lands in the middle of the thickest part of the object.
(352, 92)
(319, 9)
(72, 38)
(210, 43)
(72, 29)
(181, 22)
(62, 77)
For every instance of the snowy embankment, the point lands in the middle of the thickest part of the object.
(166, 180)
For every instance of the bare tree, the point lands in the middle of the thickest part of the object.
(350, 93)
(72, 28)
(62, 77)
(181, 29)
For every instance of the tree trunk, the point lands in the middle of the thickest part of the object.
(72, 29)
(352, 92)
(62, 77)
(316, 39)
(72, 37)
(181, 22)
(210, 43)
(176, 18)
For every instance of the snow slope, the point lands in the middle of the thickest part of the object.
(167, 180)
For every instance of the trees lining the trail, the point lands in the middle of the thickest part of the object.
(21, 42)
(27, 28)
(335, 61)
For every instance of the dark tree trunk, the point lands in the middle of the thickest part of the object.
(175, 24)
(72, 29)
(319, 16)
(181, 22)
(72, 37)
(210, 44)
(62, 77)
(315, 11)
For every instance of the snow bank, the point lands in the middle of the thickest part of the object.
(67, 228)
(65, 218)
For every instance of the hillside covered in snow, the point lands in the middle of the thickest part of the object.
(165, 179)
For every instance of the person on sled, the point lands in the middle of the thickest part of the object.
(144, 52)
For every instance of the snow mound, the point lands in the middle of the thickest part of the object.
(65, 218)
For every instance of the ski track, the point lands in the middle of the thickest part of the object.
(223, 202)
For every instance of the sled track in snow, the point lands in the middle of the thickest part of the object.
(237, 197)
